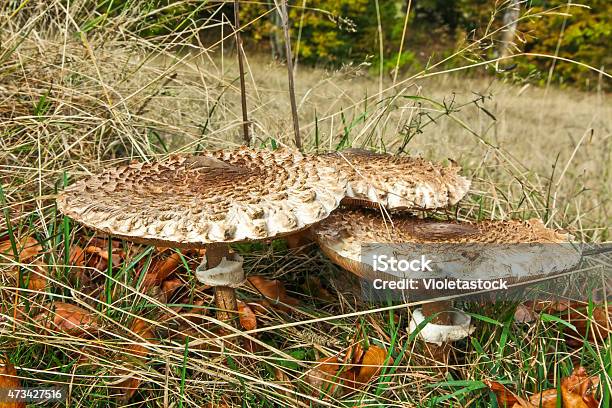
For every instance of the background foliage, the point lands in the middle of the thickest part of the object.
(331, 33)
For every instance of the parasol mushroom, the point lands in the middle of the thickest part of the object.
(208, 201)
(397, 182)
(517, 251)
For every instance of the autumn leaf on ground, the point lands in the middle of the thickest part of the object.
(577, 390)
(116, 257)
(248, 320)
(527, 312)
(273, 290)
(161, 270)
(137, 353)
(355, 375)
(36, 278)
(168, 287)
(9, 379)
(505, 397)
(93, 257)
(372, 362)
(524, 314)
(144, 330)
(313, 285)
(77, 256)
(69, 318)
(27, 248)
(323, 377)
(596, 328)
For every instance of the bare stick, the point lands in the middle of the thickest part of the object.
(510, 21)
(401, 47)
(245, 118)
(296, 124)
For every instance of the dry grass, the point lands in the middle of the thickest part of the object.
(70, 105)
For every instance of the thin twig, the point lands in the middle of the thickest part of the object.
(296, 124)
(245, 117)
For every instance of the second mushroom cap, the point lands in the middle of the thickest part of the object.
(397, 182)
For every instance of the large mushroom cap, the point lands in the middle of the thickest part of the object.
(223, 196)
(398, 182)
(519, 250)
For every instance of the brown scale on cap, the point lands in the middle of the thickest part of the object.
(397, 182)
(343, 233)
(371, 226)
(223, 196)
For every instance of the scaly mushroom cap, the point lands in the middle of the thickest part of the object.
(483, 250)
(398, 182)
(223, 196)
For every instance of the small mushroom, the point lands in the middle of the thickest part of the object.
(397, 182)
(516, 251)
(208, 201)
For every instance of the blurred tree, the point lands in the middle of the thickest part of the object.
(334, 32)
(329, 31)
(575, 32)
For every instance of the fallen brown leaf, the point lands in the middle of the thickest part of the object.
(371, 364)
(505, 397)
(544, 399)
(272, 289)
(77, 256)
(599, 327)
(136, 352)
(142, 329)
(365, 366)
(161, 270)
(578, 390)
(69, 318)
(103, 242)
(550, 306)
(37, 280)
(169, 286)
(248, 320)
(313, 285)
(524, 314)
(116, 254)
(9, 379)
(127, 388)
(323, 376)
(27, 248)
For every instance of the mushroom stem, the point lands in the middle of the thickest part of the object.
(225, 296)
(441, 308)
(439, 353)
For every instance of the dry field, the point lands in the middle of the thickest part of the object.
(69, 106)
